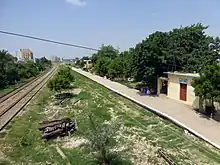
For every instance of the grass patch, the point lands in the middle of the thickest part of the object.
(4, 162)
(101, 114)
(83, 96)
(77, 157)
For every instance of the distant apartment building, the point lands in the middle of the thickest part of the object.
(26, 54)
(68, 60)
(55, 59)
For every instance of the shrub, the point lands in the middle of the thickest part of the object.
(61, 80)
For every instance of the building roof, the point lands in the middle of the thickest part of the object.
(163, 78)
(190, 75)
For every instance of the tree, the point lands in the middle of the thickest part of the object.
(215, 47)
(188, 48)
(31, 69)
(43, 63)
(8, 69)
(183, 49)
(147, 59)
(102, 65)
(58, 83)
(66, 73)
(207, 86)
(103, 58)
(85, 58)
(115, 68)
(126, 63)
(61, 80)
(81, 63)
(94, 58)
(12, 74)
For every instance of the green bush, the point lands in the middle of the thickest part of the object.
(61, 80)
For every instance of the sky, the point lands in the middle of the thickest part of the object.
(121, 23)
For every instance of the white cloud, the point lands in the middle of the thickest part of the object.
(77, 2)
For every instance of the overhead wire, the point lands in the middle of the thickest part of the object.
(47, 40)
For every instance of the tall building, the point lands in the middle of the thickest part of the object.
(26, 54)
(67, 60)
(55, 59)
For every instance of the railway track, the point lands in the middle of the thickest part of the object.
(166, 157)
(11, 104)
(11, 93)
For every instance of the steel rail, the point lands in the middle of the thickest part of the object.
(18, 102)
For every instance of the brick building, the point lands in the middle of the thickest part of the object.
(26, 54)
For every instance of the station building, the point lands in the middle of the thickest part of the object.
(177, 86)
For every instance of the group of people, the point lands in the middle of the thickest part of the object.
(145, 91)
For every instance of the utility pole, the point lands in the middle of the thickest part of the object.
(117, 47)
(16, 54)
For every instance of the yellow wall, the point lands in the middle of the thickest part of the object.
(174, 90)
(159, 85)
(88, 64)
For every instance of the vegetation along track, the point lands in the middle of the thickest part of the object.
(13, 92)
(10, 106)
